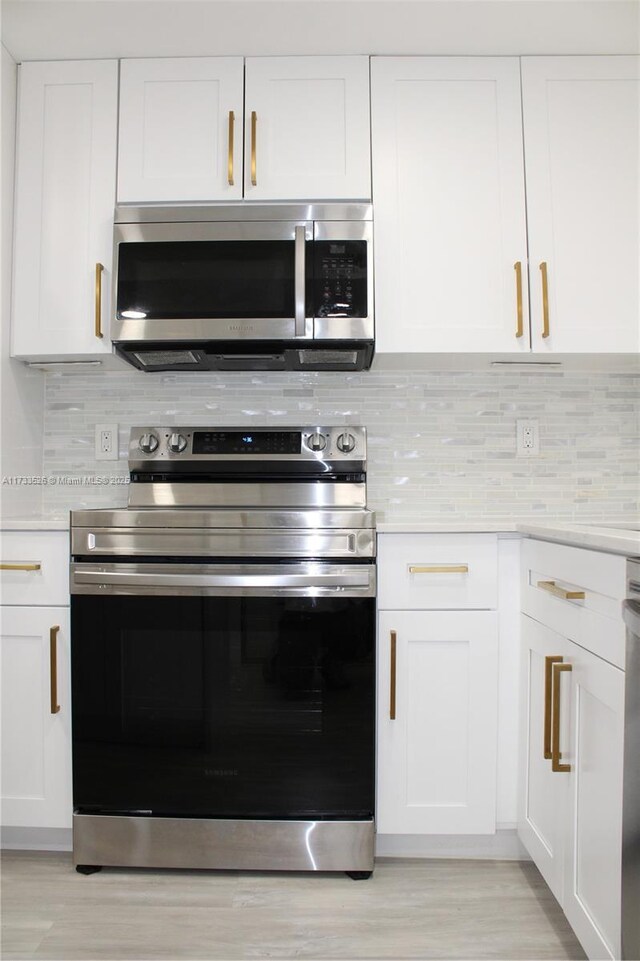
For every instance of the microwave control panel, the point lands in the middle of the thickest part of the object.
(340, 278)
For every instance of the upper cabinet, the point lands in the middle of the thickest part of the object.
(581, 149)
(449, 187)
(65, 192)
(305, 129)
(449, 204)
(180, 130)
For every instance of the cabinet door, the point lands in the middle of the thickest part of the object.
(36, 742)
(593, 868)
(307, 128)
(581, 148)
(437, 757)
(180, 130)
(65, 192)
(543, 792)
(448, 183)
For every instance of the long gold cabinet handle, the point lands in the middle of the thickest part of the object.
(254, 121)
(438, 568)
(552, 588)
(548, 687)
(556, 765)
(232, 120)
(519, 318)
(98, 318)
(53, 665)
(545, 299)
(392, 676)
(20, 567)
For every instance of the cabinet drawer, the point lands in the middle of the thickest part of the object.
(35, 567)
(437, 571)
(578, 593)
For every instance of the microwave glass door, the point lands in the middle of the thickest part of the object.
(216, 279)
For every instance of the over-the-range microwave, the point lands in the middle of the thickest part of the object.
(239, 287)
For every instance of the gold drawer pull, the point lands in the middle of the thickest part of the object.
(520, 325)
(53, 663)
(98, 312)
(232, 119)
(552, 588)
(439, 569)
(20, 567)
(545, 300)
(556, 754)
(548, 685)
(392, 678)
(254, 176)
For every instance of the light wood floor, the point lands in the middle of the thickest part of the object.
(407, 909)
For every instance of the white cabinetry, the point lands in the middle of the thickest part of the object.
(437, 684)
(581, 148)
(449, 193)
(449, 201)
(36, 688)
(572, 728)
(65, 192)
(304, 122)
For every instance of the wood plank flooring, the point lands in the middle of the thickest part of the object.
(408, 909)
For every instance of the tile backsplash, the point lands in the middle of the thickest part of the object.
(441, 443)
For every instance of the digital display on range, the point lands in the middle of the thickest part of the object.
(247, 442)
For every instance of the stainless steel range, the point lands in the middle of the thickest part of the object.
(223, 655)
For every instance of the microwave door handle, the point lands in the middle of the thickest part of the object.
(300, 281)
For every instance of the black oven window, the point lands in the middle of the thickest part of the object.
(224, 707)
(206, 279)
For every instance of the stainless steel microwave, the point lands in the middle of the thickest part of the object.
(239, 287)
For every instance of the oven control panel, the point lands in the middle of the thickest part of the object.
(159, 444)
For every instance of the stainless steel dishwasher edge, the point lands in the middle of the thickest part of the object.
(631, 795)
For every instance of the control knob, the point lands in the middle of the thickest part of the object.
(346, 442)
(148, 443)
(177, 443)
(316, 441)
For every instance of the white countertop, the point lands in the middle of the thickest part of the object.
(34, 523)
(596, 536)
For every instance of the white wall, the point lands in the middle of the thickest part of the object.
(21, 389)
(59, 29)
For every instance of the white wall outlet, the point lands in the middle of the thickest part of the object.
(528, 438)
(106, 441)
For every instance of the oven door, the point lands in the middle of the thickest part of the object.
(224, 691)
(211, 281)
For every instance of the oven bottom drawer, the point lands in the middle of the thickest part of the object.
(229, 844)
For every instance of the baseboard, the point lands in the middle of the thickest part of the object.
(36, 839)
(504, 845)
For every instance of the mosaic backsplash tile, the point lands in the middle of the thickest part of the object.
(441, 443)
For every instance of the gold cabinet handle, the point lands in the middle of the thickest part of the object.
(98, 320)
(254, 121)
(548, 685)
(20, 567)
(556, 754)
(520, 324)
(392, 678)
(545, 299)
(53, 664)
(552, 588)
(232, 120)
(438, 568)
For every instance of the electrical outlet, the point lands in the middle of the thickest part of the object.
(528, 438)
(106, 442)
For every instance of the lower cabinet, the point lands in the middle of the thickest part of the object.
(571, 795)
(437, 722)
(36, 717)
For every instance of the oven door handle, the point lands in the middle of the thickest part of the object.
(152, 579)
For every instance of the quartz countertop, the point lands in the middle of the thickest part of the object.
(45, 522)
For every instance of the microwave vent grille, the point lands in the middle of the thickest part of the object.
(152, 358)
